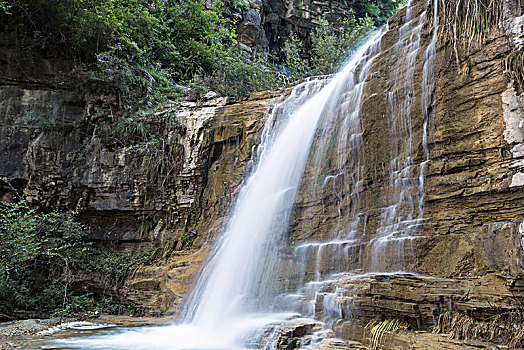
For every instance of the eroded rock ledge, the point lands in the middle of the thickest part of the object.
(467, 255)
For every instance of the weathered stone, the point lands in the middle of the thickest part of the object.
(467, 252)
(209, 95)
(255, 4)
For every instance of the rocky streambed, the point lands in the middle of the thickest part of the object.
(297, 334)
(37, 333)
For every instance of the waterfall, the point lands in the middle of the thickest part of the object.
(233, 300)
(428, 82)
(323, 290)
(313, 141)
(237, 280)
(400, 219)
(389, 248)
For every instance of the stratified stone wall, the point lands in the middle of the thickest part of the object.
(467, 248)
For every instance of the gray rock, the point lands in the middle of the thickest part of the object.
(253, 17)
(210, 95)
(273, 18)
(255, 4)
(248, 33)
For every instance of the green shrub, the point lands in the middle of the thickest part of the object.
(37, 253)
(293, 51)
(238, 73)
(378, 10)
(332, 47)
(40, 253)
(139, 46)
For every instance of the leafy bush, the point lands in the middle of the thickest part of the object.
(293, 48)
(331, 47)
(238, 73)
(39, 256)
(176, 33)
(37, 253)
(139, 45)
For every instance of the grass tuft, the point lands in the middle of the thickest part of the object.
(506, 328)
(379, 328)
(513, 65)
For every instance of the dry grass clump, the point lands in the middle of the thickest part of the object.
(379, 328)
(506, 328)
(513, 65)
(466, 22)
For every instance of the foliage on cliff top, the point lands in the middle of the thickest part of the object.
(145, 48)
(140, 47)
(181, 36)
(379, 11)
(332, 47)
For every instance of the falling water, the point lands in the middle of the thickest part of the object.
(428, 83)
(401, 218)
(323, 293)
(340, 150)
(232, 301)
(316, 131)
(237, 280)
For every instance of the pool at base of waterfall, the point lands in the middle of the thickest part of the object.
(257, 331)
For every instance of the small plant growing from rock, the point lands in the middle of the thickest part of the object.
(379, 328)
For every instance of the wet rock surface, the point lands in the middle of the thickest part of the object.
(303, 334)
(466, 251)
(465, 237)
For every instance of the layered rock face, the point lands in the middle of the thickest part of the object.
(233, 131)
(60, 147)
(434, 189)
(431, 183)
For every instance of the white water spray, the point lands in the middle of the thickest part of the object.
(428, 83)
(229, 307)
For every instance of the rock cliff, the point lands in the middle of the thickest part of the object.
(437, 190)
(433, 186)
(65, 149)
(265, 25)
